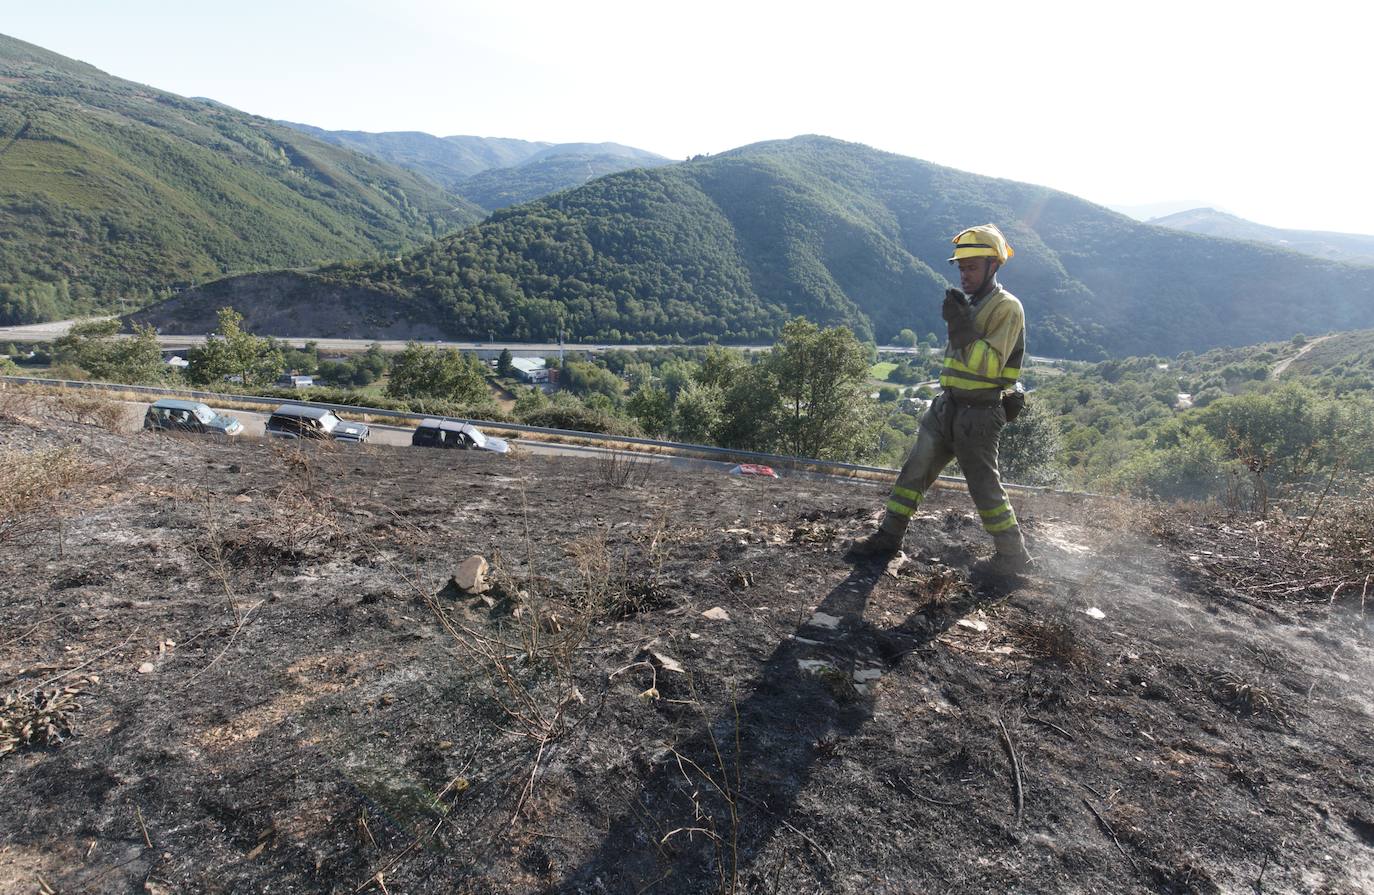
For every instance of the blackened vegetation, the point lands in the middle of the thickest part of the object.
(675, 686)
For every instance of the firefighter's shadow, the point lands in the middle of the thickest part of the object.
(716, 798)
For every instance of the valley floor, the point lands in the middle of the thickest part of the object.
(259, 676)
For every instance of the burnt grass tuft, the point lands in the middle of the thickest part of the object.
(244, 667)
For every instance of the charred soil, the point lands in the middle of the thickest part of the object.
(243, 668)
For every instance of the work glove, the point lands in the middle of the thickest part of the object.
(959, 317)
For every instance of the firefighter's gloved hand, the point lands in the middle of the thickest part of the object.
(955, 306)
(959, 316)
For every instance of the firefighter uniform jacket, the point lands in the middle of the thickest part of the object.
(979, 372)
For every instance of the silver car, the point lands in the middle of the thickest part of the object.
(177, 415)
(299, 421)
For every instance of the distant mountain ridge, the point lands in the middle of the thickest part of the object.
(492, 172)
(113, 192)
(730, 247)
(1352, 248)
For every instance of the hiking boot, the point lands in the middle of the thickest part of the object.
(1007, 565)
(881, 544)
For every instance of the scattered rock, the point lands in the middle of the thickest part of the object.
(667, 662)
(242, 498)
(716, 614)
(146, 668)
(973, 624)
(1094, 612)
(471, 575)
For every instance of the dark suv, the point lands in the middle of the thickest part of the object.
(177, 415)
(450, 434)
(299, 421)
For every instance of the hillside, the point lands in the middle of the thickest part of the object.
(244, 667)
(544, 174)
(113, 192)
(492, 172)
(730, 247)
(1345, 247)
(1337, 355)
(447, 161)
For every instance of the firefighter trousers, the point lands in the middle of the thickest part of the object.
(953, 430)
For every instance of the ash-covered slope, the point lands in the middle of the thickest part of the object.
(679, 686)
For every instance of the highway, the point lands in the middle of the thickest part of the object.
(399, 436)
(47, 332)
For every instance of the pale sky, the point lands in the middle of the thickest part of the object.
(1258, 108)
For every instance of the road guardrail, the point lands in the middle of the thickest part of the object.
(786, 462)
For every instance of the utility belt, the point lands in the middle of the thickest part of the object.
(1012, 401)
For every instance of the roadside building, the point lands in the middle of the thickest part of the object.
(530, 369)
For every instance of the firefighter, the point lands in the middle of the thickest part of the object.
(982, 363)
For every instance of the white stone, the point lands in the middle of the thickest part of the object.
(471, 575)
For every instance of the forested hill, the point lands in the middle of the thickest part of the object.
(548, 173)
(732, 246)
(493, 172)
(113, 191)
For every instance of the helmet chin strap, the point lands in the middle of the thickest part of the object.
(989, 283)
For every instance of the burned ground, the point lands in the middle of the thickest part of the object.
(242, 668)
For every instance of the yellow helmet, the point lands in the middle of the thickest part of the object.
(985, 241)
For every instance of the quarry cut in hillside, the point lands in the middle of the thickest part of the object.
(243, 667)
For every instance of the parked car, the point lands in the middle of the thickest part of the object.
(754, 469)
(176, 415)
(451, 434)
(299, 421)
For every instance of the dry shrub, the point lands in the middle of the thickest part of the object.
(89, 408)
(941, 586)
(621, 469)
(1344, 536)
(610, 584)
(1053, 640)
(32, 406)
(1246, 697)
(37, 718)
(36, 488)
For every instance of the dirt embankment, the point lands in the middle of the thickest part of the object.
(290, 304)
(676, 686)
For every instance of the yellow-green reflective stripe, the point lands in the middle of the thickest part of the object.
(995, 527)
(908, 493)
(1012, 373)
(899, 508)
(976, 356)
(960, 369)
(996, 511)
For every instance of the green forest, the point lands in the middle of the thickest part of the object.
(729, 248)
(113, 194)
